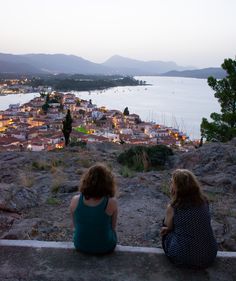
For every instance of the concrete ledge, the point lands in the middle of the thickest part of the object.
(31, 260)
(69, 245)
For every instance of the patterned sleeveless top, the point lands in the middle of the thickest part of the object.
(191, 242)
(93, 228)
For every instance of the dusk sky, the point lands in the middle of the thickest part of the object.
(199, 33)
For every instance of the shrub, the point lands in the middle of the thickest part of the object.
(78, 143)
(53, 201)
(142, 158)
(41, 165)
(165, 188)
(26, 179)
(126, 172)
(58, 180)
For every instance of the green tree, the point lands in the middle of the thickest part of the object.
(223, 127)
(46, 106)
(126, 111)
(67, 127)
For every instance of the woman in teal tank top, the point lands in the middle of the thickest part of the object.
(94, 212)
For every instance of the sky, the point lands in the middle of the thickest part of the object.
(198, 33)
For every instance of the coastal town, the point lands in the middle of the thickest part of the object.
(37, 125)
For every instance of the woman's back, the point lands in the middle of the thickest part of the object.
(191, 242)
(93, 227)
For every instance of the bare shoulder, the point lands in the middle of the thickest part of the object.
(169, 209)
(112, 201)
(74, 202)
(111, 206)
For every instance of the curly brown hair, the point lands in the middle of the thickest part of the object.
(98, 181)
(188, 190)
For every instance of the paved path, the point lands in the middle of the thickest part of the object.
(57, 261)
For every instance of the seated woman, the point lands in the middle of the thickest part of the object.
(94, 212)
(187, 236)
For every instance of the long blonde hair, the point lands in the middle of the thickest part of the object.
(187, 190)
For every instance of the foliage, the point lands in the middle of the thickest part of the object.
(126, 172)
(142, 158)
(77, 82)
(67, 127)
(223, 127)
(75, 142)
(26, 179)
(53, 201)
(58, 180)
(81, 129)
(46, 106)
(41, 165)
(165, 188)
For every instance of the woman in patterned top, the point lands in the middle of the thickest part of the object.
(187, 236)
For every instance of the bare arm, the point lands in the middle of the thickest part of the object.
(169, 217)
(168, 220)
(112, 210)
(73, 205)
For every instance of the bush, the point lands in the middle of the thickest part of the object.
(78, 143)
(41, 165)
(142, 158)
(126, 172)
(53, 201)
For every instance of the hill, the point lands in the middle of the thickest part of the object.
(70, 64)
(36, 189)
(137, 67)
(58, 63)
(23, 68)
(203, 73)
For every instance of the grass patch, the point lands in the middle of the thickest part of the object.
(41, 165)
(53, 201)
(58, 180)
(56, 162)
(85, 162)
(165, 188)
(26, 179)
(126, 172)
(212, 197)
(79, 171)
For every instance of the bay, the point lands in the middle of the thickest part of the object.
(5, 101)
(171, 101)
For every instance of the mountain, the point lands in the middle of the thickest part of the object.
(203, 73)
(58, 63)
(11, 67)
(70, 64)
(137, 67)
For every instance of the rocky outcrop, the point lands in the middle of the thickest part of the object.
(213, 163)
(14, 198)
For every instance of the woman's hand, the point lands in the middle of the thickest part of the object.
(164, 230)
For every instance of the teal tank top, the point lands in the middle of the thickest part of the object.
(93, 228)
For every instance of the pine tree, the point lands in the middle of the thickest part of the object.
(67, 127)
(126, 111)
(46, 106)
(223, 127)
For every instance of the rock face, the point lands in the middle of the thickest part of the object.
(36, 189)
(15, 198)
